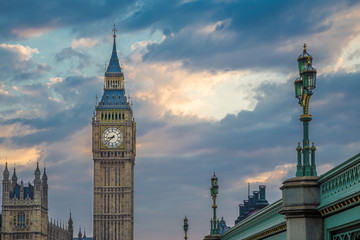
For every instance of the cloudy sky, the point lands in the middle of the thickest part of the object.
(212, 89)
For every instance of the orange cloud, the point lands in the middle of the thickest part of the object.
(19, 156)
(15, 130)
(173, 88)
(79, 144)
(275, 175)
(83, 42)
(23, 52)
(30, 32)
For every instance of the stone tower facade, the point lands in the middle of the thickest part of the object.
(114, 150)
(25, 210)
(24, 207)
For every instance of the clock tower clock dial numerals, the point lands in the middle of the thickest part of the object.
(112, 137)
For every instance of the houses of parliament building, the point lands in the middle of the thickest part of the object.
(25, 210)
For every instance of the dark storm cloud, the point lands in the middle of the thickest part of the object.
(67, 53)
(15, 69)
(80, 59)
(254, 31)
(23, 15)
(63, 118)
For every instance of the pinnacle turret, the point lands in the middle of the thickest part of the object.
(44, 176)
(14, 179)
(37, 171)
(70, 222)
(6, 172)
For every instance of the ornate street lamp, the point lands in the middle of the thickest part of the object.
(186, 227)
(304, 85)
(214, 191)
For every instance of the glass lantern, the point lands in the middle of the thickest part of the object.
(303, 60)
(299, 88)
(309, 77)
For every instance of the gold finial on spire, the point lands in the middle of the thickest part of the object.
(304, 47)
(114, 30)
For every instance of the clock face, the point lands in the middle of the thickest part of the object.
(112, 137)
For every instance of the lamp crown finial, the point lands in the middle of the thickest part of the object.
(304, 47)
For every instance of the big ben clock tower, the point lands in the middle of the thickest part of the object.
(114, 150)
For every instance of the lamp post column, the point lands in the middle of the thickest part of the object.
(306, 147)
(214, 191)
(301, 194)
(186, 227)
(304, 84)
(214, 222)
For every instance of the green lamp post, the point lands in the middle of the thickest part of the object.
(186, 227)
(304, 85)
(214, 191)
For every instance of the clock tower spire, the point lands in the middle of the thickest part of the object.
(114, 150)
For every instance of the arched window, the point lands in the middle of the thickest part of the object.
(116, 103)
(123, 116)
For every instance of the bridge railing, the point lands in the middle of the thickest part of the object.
(264, 223)
(340, 187)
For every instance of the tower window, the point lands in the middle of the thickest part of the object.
(21, 220)
(113, 97)
(107, 97)
(109, 103)
(123, 116)
(116, 103)
(103, 103)
(119, 96)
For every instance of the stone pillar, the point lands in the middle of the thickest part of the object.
(301, 197)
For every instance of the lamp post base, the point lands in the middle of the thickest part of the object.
(301, 197)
